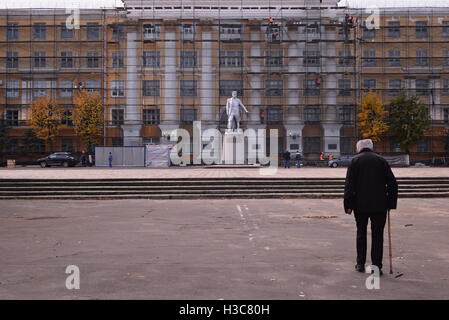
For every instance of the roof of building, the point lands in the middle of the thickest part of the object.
(59, 4)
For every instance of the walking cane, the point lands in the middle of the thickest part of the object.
(389, 243)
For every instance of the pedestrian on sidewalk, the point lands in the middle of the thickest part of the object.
(110, 159)
(287, 159)
(370, 190)
(83, 159)
(298, 159)
(330, 156)
(322, 156)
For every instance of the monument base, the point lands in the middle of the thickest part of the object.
(233, 148)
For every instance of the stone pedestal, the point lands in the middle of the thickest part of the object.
(233, 147)
(131, 135)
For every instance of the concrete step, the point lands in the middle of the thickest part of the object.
(211, 196)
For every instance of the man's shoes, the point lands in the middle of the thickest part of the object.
(360, 268)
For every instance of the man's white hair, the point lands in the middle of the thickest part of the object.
(364, 144)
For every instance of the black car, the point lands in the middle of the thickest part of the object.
(59, 158)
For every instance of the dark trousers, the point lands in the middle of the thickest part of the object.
(377, 236)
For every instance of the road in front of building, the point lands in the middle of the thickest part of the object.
(199, 172)
(214, 249)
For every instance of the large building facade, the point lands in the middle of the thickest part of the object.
(160, 65)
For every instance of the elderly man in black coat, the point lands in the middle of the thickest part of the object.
(370, 190)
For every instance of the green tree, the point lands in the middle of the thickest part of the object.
(4, 139)
(88, 117)
(409, 119)
(29, 145)
(372, 117)
(45, 119)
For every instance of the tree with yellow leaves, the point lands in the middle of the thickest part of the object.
(372, 117)
(88, 117)
(45, 119)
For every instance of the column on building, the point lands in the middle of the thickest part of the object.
(330, 121)
(133, 122)
(255, 95)
(169, 119)
(293, 123)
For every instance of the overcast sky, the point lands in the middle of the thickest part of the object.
(113, 3)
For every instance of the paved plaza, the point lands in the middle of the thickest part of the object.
(217, 249)
(198, 172)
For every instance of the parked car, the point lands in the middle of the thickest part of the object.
(59, 158)
(343, 161)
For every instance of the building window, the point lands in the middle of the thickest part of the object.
(12, 118)
(421, 29)
(395, 145)
(92, 59)
(273, 58)
(394, 86)
(67, 118)
(117, 88)
(423, 145)
(422, 59)
(151, 116)
(151, 88)
(66, 88)
(446, 58)
(369, 84)
(368, 31)
(311, 88)
(118, 31)
(188, 116)
(151, 59)
(344, 86)
(117, 141)
(312, 144)
(151, 30)
(12, 32)
(394, 29)
(446, 115)
(118, 59)
(66, 59)
(231, 59)
(187, 30)
(312, 114)
(369, 58)
(66, 33)
(40, 31)
(445, 88)
(93, 31)
(345, 145)
(12, 59)
(39, 88)
(311, 58)
(312, 28)
(345, 114)
(118, 117)
(12, 88)
(345, 59)
(231, 31)
(188, 88)
(227, 86)
(151, 140)
(394, 60)
(11, 147)
(273, 88)
(422, 87)
(92, 85)
(67, 145)
(188, 59)
(274, 33)
(40, 60)
(275, 115)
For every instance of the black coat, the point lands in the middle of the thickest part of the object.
(370, 184)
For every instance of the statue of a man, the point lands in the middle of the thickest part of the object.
(233, 107)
